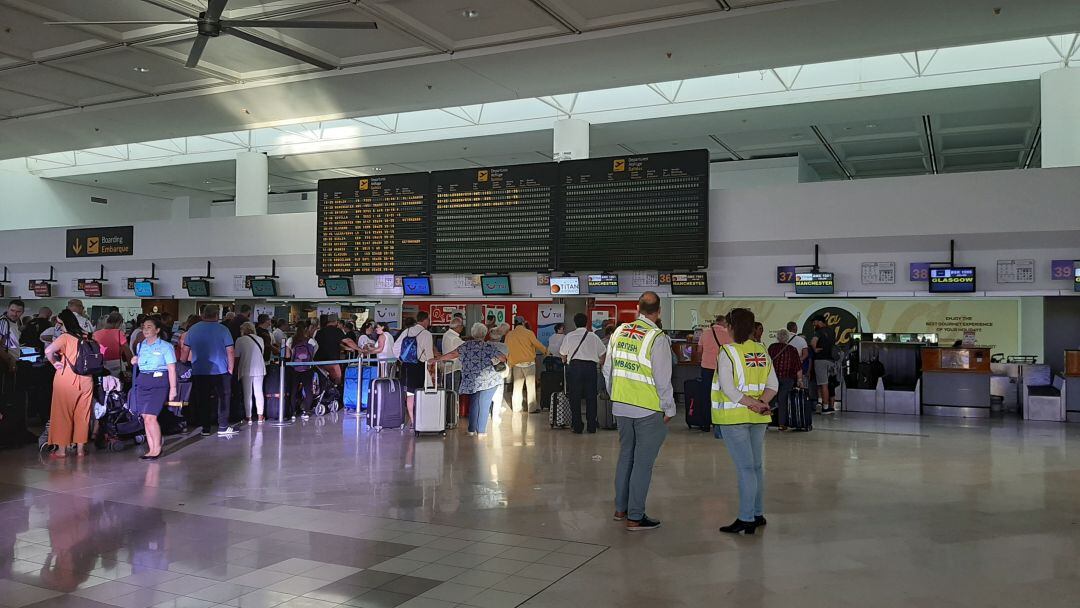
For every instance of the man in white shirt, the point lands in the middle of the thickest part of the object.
(9, 336)
(450, 341)
(582, 351)
(414, 372)
(75, 305)
(556, 340)
(278, 335)
(800, 345)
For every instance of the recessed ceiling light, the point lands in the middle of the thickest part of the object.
(377, 169)
(871, 126)
(206, 181)
(141, 69)
(797, 136)
(470, 13)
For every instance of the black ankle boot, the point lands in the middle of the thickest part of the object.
(759, 520)
(740, 527)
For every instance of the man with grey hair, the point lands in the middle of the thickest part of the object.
(209, 347)
(75, 305)
(788, 367)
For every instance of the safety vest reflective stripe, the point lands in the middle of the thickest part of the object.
(750, 365)
(630, 352)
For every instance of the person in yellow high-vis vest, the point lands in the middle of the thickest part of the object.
(742, 388)
(637, 369)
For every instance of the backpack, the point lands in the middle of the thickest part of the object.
(88, 358)
(410, 349)
(302, 352)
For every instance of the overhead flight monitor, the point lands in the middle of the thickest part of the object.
(338, 286)
(91, 289)
(41, 289)
(635, 212)
(416, 286)
(144, 289)
(952, 280)
(565, 286)
(494, 219)
(372, 225)
(814, 283)
(1076, 279)
(264, 288)
(604, 283)
(690, 284)
(495, 285)
(198, 288)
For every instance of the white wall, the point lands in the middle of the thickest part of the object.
(28, 201)
(996, 215)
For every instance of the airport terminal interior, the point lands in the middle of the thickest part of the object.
(540, 303)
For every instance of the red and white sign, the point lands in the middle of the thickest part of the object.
(442, 314)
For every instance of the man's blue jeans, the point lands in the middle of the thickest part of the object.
(480, 409)
(639, 443)
(746, 443)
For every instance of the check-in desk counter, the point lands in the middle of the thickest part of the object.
(885, 379)
(1070, 391)
(956, 382)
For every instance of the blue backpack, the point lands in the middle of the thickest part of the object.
(410, 350)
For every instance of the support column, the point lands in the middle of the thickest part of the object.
(571, 139)
(1061, 118)
(180, 209)
(252, 183)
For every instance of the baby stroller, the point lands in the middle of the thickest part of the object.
(327, 394)
(118, 428)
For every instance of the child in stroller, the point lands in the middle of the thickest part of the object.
(327, 395)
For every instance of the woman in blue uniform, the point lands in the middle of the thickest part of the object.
(155, 382)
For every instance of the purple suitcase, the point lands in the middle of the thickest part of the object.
(387, 410)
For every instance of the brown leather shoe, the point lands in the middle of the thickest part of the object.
(619, 516)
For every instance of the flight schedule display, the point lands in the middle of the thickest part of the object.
(635, 212)
(372, 225)
(494, 219)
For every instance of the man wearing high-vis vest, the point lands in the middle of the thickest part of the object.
(637, 370)
(742, 388)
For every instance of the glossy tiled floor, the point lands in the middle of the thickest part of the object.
(864, 511)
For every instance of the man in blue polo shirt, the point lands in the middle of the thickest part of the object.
(209, 344)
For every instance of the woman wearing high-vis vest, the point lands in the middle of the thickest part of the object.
(742, 388)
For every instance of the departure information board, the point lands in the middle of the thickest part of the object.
(495, 219)
(636, 212)
(372, 225)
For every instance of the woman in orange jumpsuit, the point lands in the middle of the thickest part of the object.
(69, 426)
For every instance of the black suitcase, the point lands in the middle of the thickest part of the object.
(698, 409)
(273, 393)
(800, 410)
(551, 383)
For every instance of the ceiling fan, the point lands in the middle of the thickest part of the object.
(211, 25)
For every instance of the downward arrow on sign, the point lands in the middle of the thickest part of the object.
(77, 247)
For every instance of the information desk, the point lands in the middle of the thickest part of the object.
(956, 382)
(1070, 391)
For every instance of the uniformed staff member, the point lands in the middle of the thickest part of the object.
(637, 370)
(155, 383)
(742, 388)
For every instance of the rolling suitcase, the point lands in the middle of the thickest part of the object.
(273, 393)
(800, 411)
(550, 383)
(559, 416)
(604, 416)
(698, 410)
(431, 405)
(387, 409)
(354, 395)
(452, 380)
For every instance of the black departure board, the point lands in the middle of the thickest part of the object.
(494, 219)
(372, 225)
(635, 212)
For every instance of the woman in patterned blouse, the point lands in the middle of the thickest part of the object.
(479, 376)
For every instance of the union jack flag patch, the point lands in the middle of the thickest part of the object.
(755, 360)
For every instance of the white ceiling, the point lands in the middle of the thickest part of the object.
(64, 88)
(972, 129)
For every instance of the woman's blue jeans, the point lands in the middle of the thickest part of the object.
(480, 409)
(746, 443)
